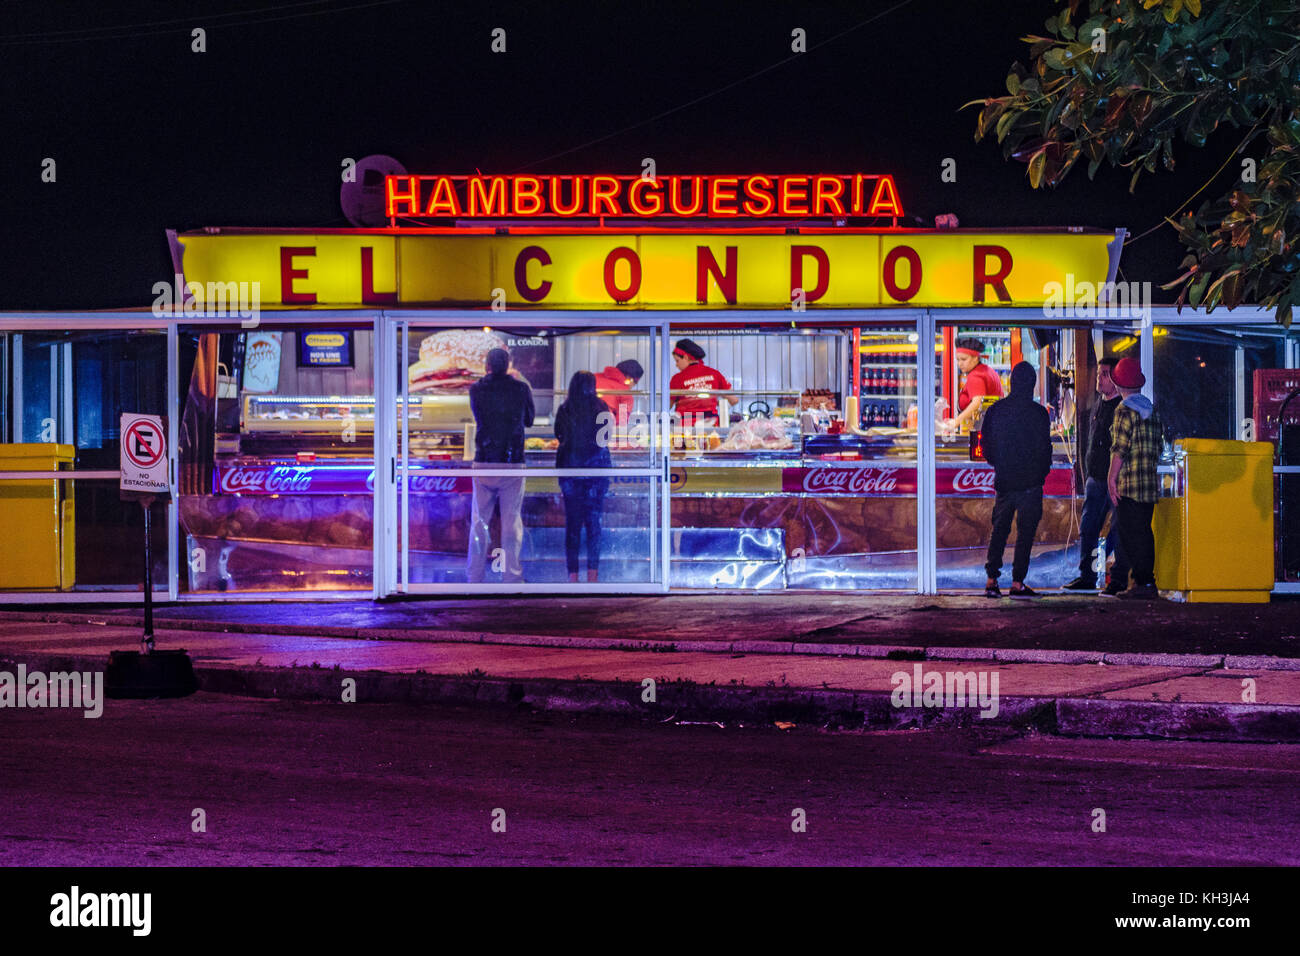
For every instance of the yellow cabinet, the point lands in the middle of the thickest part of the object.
(1214, 539)
(38, 519)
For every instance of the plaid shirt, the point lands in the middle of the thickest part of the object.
(1138, 443)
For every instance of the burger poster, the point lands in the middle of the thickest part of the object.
(449, 362)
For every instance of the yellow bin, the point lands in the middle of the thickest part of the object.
(1214, 540)
(38, 519)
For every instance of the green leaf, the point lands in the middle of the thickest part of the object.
(1013, 84)
(1057, 58)
(1004, 123)
(1037, 162)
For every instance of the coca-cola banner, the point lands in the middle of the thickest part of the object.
(321, 480)
(869, 481)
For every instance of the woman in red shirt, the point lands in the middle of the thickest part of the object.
(980, 379)
(693, 374)
(617, 379)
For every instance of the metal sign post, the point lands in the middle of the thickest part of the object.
(145, 477)
(143, 462)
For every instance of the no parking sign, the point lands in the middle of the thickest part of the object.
(143, 455)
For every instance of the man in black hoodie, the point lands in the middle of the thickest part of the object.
(1017, 439)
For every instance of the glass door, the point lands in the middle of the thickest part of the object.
(528, 454)
(277, 458)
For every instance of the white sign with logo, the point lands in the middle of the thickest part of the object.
(262, 362)
(143, 454)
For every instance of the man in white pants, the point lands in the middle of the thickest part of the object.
(503, 408)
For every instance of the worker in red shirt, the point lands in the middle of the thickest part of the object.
(980, 380)
(693, 374)
(615, 379)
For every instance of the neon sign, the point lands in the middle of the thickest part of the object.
(755, 196)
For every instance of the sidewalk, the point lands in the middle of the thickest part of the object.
(1073, 665)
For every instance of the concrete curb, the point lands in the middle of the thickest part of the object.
(879, 651)
(686, 700)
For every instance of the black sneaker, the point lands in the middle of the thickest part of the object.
(1140, 592)
(1082, 584)
(1024, 592)
(992, 591)
(1114, 589)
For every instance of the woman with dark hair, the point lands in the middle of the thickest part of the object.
(581, 425)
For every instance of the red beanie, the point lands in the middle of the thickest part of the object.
(1128, 374)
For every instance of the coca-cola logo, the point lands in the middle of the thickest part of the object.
(266, 480)
(973, 479)
(850, 481)
(432, 483)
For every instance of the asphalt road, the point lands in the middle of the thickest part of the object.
(311, 783)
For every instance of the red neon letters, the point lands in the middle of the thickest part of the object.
(713, 197)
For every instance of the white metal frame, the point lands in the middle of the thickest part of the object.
(391, 538)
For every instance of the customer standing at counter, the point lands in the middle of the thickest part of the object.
(1096, 499)
(980, 380)
(503, 407)
(615, 379)
(578, 425)
(1134, 485)
(1017, 438)
(693, 374)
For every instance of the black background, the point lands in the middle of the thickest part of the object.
(149, 135)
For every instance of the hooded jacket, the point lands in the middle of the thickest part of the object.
(1140, 404)
(1017, 437)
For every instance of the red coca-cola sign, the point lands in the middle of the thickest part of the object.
(855, 481)
(962, 481)
(968, 481)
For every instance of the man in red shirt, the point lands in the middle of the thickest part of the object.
(693, 374)
(980, 379)
(615, 379)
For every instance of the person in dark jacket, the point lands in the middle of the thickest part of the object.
(1017, 439)
(582, 425)
(1096, 503)
(503, 407)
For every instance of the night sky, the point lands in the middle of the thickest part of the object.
(148, 135)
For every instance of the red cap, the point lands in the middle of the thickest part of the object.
(1127, 373)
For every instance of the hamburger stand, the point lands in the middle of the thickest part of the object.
(315, 386)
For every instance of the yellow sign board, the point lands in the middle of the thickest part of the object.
(824, 269)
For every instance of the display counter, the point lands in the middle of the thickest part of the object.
(832, 524)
